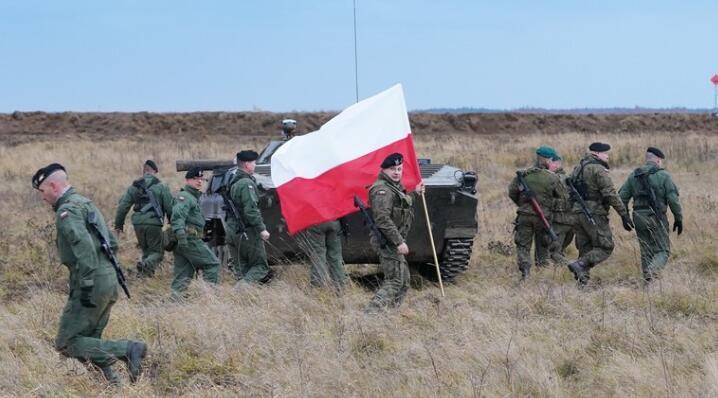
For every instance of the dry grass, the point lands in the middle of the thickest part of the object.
(488, 337)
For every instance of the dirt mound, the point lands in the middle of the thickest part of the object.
(28, 126)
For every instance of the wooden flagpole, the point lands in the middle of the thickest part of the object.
(433, 246)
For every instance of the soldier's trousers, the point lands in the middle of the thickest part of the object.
(232, 240)
(396, 279)
(149, 238)
(323, 247)
(594, 242)
(554, 250)
(80, 333)
(528, 229)
(253, 266)
(190, 259)
(653, 238)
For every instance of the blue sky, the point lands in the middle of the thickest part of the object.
(281, 55)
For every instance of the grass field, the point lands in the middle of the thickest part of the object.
(487, 337)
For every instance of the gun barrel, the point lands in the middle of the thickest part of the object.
(204, 164)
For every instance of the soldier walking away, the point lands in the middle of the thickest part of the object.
(593, 193)
(248, 248)
(93, 280)
(534, 191)
(191, 253)
(393, 212)
(323, 246)
(653, 191)
(151, 201)
(562, 221)
(288, 127)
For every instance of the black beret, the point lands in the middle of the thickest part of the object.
(45, 172)
(599, 147)
(392, 160)
(193, 172)
(152, 165)
(656, 152)
(247, 156)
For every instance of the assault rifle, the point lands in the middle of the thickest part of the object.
(575, 195)
(107, 249)
(642, 177)
(232, 209)
(369, 221)
(531, 196)
(153, 204)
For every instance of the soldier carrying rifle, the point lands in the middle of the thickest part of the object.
(534, 191)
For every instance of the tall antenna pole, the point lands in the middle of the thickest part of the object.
(356, 57)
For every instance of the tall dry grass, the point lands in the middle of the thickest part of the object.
(488, 337)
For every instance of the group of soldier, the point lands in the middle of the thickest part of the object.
(555, 208)
(87, 247)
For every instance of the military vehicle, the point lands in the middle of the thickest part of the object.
(451, 200)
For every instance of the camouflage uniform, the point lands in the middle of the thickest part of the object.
(322, 244)
(652, 230)
(250, 254)
(594, 242)
(547, 188)
(562, 220)
(393, 213)
(191, 253)
(147, 226)
(93, 286)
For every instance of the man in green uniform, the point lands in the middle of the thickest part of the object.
(561, 221)
(93, 282)
(191, 253)
(152, 201)
(393, 211)
(653, 191)
(251, 264)
(593, 183)
(323, 246)
(545, 187)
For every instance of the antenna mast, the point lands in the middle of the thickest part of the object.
(356, 57)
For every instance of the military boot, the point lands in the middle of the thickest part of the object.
(580, 272)
(111, 376)
(136, 351)
(525, 272)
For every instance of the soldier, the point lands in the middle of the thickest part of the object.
(191, 253)
(288, 127)
(152, 201)
(653, 191)
(93, 282)
(544, 186)
(561, 221)
(322, 244)
(393, 212)
(593, 184)
(252, 266)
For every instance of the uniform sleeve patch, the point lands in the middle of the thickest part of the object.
(64, 214)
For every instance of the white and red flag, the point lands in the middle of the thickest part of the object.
(318, 174)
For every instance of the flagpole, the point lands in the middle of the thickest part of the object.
(356, 54)
(433, 247)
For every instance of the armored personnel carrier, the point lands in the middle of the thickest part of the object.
(451, 201)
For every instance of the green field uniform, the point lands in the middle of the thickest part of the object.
(323, 246)
(91, 273)
(191, 253)
(392, 208)
(595, 242)
(249, 255)
(651, 228)
(147, 226)
(562, 220)
(546, 186)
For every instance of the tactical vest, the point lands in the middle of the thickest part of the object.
(142, 201)
(580, 183)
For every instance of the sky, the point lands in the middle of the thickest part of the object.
(282, 55)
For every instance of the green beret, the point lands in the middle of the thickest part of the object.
(547, 152)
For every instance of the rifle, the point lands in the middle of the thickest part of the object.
(154, 204)
(531, 196)
(575, 195)
(229, 206)
(369, 221)
(652, 200)
(107, 249)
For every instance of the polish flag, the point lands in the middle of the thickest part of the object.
(318, 174)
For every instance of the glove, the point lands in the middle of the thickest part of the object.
(678, 226)
(86, 297)
(627, 223)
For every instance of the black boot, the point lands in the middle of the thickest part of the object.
(136, 351)
(580, 272)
